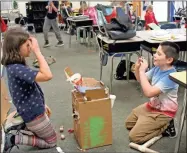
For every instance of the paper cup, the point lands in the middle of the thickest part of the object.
(113, 98)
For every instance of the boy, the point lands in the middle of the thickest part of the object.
(50, 20)
(152, 118)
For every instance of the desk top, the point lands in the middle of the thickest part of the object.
(81, 20)
(110, 41)
(180, 35)
(179, 77)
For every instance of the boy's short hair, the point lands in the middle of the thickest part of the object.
(171, 50)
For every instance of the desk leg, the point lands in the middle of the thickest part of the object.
(101, 66)
(78, 35)
(111, 72)
(127, 56)
(181, 123)
(149, 63)
(70, 36)
(89, 37)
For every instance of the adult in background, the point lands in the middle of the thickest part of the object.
(51, 21)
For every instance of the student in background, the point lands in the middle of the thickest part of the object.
(149, 17)
(65, 11)
(51, 21)
(83, 7)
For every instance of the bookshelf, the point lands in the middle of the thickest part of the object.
(36, 12)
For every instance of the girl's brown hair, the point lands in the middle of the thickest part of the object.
(13, 40)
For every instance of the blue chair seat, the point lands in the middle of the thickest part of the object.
(168, 26)
(180, 66)
(117, 55)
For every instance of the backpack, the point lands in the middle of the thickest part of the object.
(13, 122)
(121, 69)
(3, 26)
(121, 27)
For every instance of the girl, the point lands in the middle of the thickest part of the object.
(149, 17)
(26, 94)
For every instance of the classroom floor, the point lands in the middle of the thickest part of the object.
(85, 60)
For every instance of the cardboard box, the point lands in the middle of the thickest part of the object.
(92, 114)
(5, 105)
(92, 118)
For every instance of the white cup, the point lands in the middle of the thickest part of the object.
(113, 98)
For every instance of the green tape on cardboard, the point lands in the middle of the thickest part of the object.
(93, 128)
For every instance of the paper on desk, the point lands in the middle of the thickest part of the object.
(153, 26)
(163, 35)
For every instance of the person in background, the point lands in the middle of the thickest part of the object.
(51, 21)
(149, 17)
(125, 5)
(65, 11)
(83, 7)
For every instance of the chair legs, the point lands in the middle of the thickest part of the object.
(111, 71)
(101, 66)
(128, 58)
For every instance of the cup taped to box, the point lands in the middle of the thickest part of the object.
(81, 83)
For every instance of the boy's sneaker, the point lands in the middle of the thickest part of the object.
(170, 131)
(46, 44)
(9, 142)
(59, 44)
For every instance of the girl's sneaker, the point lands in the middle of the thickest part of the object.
(9, 142)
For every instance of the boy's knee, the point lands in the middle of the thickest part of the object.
(127, 124)
(133, 137)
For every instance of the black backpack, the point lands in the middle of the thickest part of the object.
(121, 69)
(121, 27)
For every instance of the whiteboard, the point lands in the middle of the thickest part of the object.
(161, 10)
(6, 5)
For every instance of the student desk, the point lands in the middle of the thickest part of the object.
(180, 40)
(149, 44)
(74, 24)
(127, 47)
(180, 78)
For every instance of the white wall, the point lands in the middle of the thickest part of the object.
(161, 10)
(6, 5)
(99, 2)
(22, 7)
(90, 3)
(179, 5)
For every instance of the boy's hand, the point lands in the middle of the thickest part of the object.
(143, 65)
(138, 63)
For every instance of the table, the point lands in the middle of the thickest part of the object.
(74, 24)
(127, 47)
(150, 45)
(181, 40)
(180, 78)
